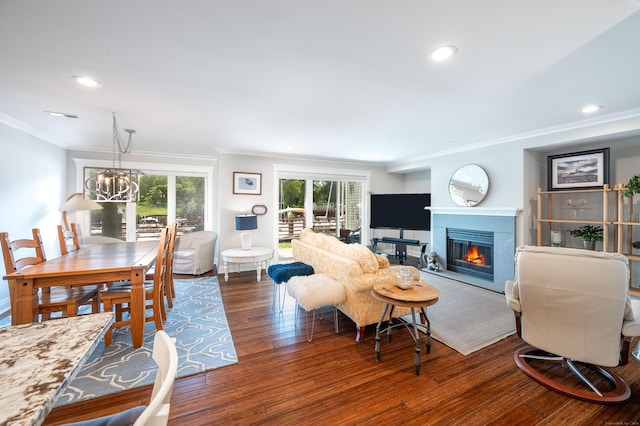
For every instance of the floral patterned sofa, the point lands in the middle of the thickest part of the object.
(357, 268)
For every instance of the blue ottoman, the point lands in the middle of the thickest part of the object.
(283, 272)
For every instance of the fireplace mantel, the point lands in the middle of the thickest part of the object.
(477, 211)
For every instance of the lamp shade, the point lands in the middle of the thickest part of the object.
(77, 202)
(246, 222)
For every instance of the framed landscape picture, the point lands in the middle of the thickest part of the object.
(578, 170)
(247, 183)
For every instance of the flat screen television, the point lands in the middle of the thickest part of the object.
(401, 211)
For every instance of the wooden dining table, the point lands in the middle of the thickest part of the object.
(95, 263)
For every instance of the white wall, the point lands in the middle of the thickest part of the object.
(232, 204)
(32, 188)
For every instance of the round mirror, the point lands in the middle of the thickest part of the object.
(468, 185)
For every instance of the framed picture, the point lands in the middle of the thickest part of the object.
(247, 183)
(578, 170)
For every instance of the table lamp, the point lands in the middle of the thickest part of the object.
(76, 202)
(245, 223)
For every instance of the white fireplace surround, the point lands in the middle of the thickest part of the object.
(500, 221)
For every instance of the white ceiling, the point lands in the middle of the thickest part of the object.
(340, 79)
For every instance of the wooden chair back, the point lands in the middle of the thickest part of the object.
(32, 251)
(169, 288)
(68, 239)
(160, 273)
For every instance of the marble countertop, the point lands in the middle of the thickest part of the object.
(37, 361)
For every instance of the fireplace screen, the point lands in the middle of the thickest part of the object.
(470, 252)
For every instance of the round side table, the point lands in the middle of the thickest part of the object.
(259, 256)
(419, 296)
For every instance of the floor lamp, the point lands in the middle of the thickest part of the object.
(245, 223)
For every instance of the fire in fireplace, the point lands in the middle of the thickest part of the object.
(470, 252)
(474, 256)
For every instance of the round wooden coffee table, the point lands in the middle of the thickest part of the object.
(419, 296)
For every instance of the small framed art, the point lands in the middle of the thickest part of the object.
(578, 170)
(247, 183)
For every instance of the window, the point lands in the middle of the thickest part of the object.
(327, 202)
(165, 196)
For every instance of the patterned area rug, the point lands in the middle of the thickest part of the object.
(467, 318)
(198, 323)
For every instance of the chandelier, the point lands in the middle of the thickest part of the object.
(113, 184)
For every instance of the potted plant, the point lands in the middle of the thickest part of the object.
(632, 187)
(589, 234)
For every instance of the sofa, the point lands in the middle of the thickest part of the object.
(357, 268)
(194, 253)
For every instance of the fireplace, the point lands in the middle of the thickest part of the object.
(500, 222)
(470, 252)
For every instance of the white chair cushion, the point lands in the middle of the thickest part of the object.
(184, 254)
(315, 291)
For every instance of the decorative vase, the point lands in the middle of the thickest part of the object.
(589, 245)
(405, 279)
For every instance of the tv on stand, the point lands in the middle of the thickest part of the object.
(401, 212)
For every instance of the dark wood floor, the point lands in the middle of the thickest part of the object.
(282, 379)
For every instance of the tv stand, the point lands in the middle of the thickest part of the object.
(401, 244)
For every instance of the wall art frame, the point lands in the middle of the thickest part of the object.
(247, 183)
(578, 170)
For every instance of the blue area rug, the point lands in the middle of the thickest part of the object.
(198, 323)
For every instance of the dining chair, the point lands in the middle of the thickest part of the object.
(156, 413)
(119, 294)
(68, 240)
(169, 288)
(63, 299)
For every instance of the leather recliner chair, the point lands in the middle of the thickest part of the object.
(573, 307)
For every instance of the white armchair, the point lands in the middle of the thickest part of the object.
(194, 253)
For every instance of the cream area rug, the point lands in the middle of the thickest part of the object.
(467, 318)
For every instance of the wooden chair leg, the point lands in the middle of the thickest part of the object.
(72, 310)
(108, 336)
(95, 304)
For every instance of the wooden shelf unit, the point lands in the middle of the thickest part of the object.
(625, 224)
(619, 222)
(604, 220)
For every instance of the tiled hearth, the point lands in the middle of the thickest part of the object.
(502, 222)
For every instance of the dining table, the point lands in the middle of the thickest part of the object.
(92, 264)
(39, 360)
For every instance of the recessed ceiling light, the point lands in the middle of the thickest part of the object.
(443, 53)
(591, 108)
(61, 114)
(86, 81)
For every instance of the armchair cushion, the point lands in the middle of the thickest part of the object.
(194, 253)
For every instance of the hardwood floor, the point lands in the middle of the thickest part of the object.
(282, 379)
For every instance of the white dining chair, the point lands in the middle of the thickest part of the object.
(156, 413)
